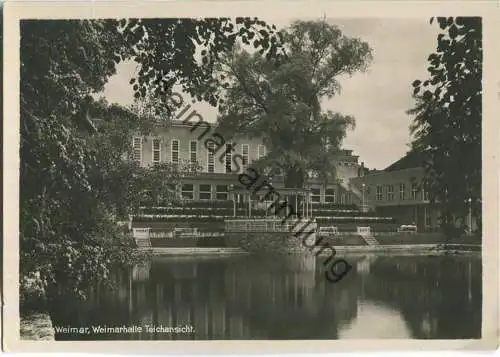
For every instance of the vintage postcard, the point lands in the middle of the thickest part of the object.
(287, 177)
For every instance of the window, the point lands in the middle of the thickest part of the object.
(245, 153)
(402, 191)
(156, 151)
(221, 192)
(174, 151)
(229, 157)
(205, 192)
(310, 174)
(137, 145)
(414, 190)
(316, 195)
(428, 222)
(348, 197)
(261, 151)
(379, 193)
(342, 198)
(330, 195)
(390, 192)
(173, 189)
(210, 157)
(187, 191)
(193, 152)
(425, 194)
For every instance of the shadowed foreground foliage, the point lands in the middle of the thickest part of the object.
(76, 174)
(448, 116)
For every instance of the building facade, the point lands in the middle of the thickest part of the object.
(397, 192)
(185, 143)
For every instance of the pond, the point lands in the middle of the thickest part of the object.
(250, 297)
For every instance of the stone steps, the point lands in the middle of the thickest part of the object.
(143, 242)
(370, 239)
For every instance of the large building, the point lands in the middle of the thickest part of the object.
(184, 142)
(397, 192)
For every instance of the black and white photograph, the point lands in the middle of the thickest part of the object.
(274, 177)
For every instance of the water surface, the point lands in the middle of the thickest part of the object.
(248, 297)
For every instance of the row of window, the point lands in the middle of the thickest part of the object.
(222, 193)
(205, 192)
(390, 195)
(348, 163)
(330, 196)
(193, 153)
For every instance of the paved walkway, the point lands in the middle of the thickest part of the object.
(193, 251)
(396, 248)
(410, 248)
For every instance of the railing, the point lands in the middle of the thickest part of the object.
(256, 226)
(363, 230)
(392, 233)
(190, 204)
(141, 233)
(328, 231)
(159, 235)
(267, 225)
(141, 236)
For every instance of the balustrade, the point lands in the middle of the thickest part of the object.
(265, 225)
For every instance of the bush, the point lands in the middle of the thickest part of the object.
(32, 292)
(452, 231)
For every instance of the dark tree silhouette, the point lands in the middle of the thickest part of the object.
(448, 116)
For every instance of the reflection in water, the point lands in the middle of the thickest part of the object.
(286, 298)
(376, 321)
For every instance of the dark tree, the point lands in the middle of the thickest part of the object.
(282, 104)
(448, 116)
(73, 180)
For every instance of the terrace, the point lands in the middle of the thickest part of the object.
(210, 215)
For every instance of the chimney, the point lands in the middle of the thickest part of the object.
(361, 170)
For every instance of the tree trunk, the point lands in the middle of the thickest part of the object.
(43, 209)
(295, 178)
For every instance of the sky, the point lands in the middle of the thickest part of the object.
(378, 98)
